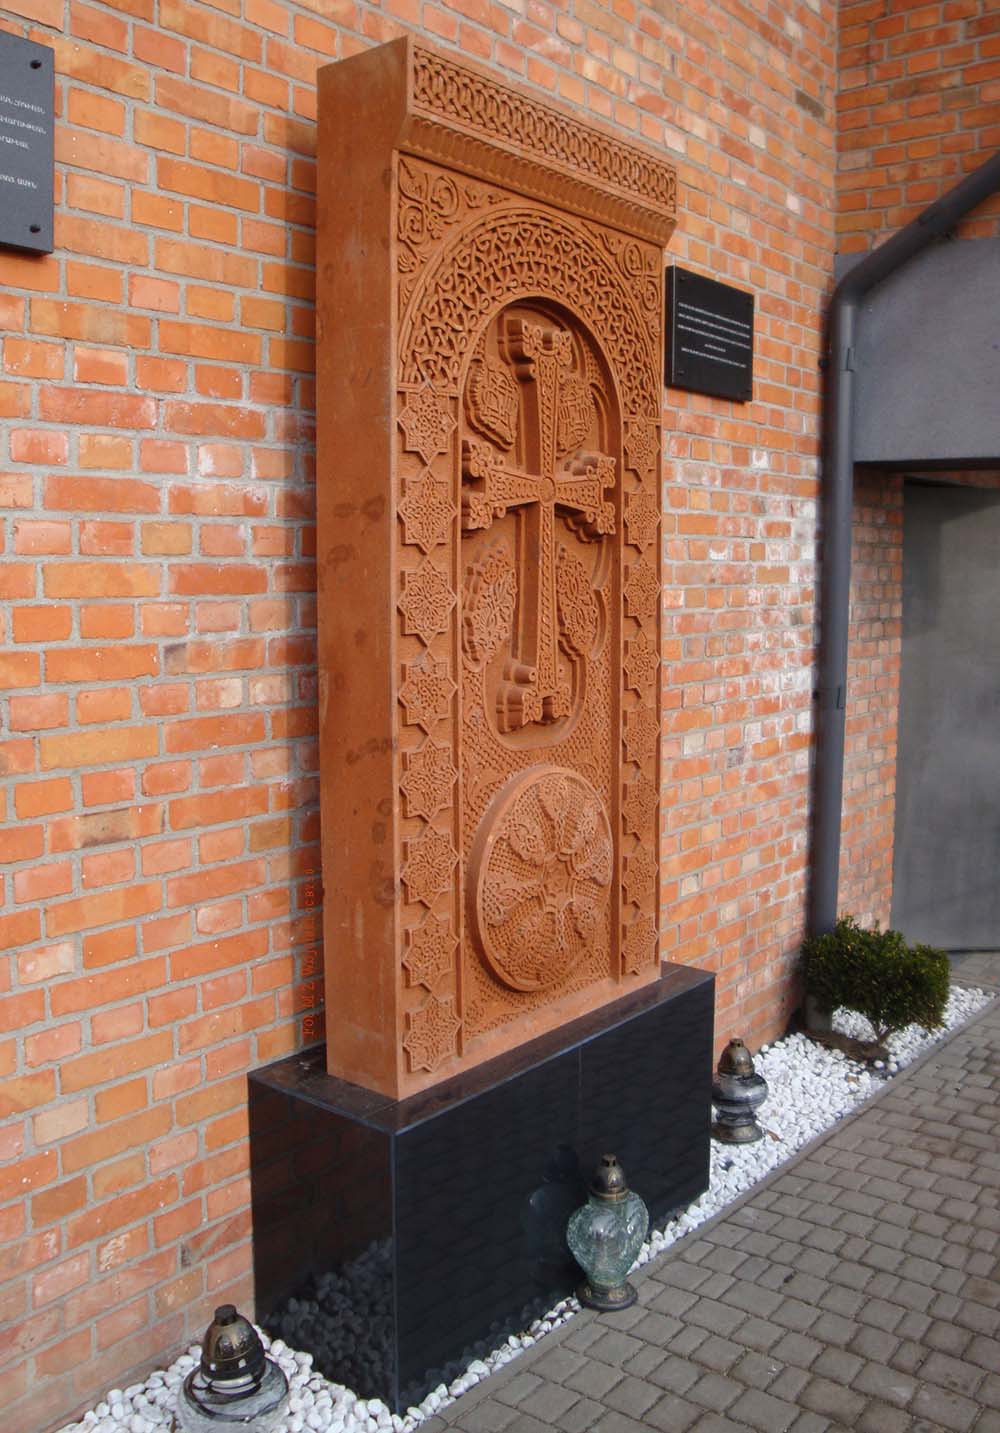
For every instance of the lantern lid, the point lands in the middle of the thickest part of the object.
(736, 1059)
(608, 1180)
(231, 1350)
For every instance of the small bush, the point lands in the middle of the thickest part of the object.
(877, 974)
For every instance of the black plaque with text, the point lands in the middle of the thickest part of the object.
(26, 157)
(709, 336)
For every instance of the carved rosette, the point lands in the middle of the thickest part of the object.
(540, 877)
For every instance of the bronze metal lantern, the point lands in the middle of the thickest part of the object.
(235, 1385)
(737, 1093)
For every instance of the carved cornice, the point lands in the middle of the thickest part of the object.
(463, 116)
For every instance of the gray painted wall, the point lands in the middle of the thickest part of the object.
(929, 360)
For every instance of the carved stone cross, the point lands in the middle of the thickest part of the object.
(557, 411)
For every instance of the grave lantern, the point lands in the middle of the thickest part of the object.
(235, 1385)
(604, 1237)
(737, 1093)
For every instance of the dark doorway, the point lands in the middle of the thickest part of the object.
(946, 887)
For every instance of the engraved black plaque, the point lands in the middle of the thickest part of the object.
(26, 158)
(709, 336)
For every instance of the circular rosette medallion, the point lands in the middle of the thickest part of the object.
(540, 877)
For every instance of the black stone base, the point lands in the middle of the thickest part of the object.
(397, 1240)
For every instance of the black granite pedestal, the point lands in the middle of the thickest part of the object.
(396, 1240)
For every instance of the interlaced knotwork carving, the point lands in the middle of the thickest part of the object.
(430, 860)
(525, 253)
(540, 872)
(642, 518)
(642, 590)
(639, 945)
(639, 806)
(491, 599)
(428, 779)
(642, 445)
(426, 602)
(444, 86)
(431, 1034)
(640, 875)
(579, 611)
(426, 423)
(426, 692)
(430, 952)
(642, 270)
(576, 412)
(642, 662)
(642, 733)
(426, 511)
(491, 400)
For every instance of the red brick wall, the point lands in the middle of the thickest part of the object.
(918, 107)
(158, 906)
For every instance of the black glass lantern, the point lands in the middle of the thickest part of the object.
(737, 1093)
(235, 1385)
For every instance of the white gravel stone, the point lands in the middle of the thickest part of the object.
(810, 1089)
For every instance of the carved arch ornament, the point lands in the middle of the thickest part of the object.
(526, 297)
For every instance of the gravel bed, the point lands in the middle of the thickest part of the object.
(811, 1088)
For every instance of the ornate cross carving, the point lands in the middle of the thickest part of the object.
(557, 408)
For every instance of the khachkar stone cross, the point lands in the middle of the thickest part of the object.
(558, 410)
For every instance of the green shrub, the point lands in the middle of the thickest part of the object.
(877, 974)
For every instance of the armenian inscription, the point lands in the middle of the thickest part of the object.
(489, 555)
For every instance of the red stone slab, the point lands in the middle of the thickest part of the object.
(490, 296)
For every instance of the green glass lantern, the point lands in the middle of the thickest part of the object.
(605, 1236)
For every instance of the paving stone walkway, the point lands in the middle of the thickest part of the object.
(858, 1287)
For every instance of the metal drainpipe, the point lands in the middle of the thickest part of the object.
(934, 223)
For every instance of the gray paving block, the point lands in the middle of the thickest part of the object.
(789, 1384)
(879, 1380)
(656, 1328)
(810, 1423)
(675, 1374)
(763, 1411)
(879, 1418)
(945, 1408)
(672, 1414)
(632, 1396)
(719, 1353)
(516, 1390)
(756, 1370)
(581, 1417)
(714, 1391)
(954, 1373)
(798, 1349)
(549, 1401)
(594, 1380)
(833, 1401)
(839, 1365)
